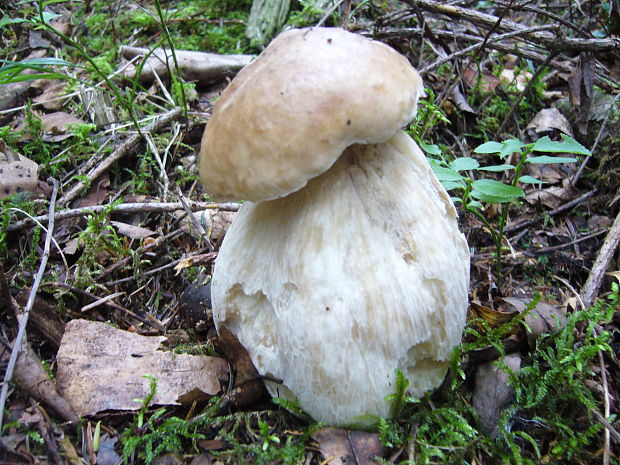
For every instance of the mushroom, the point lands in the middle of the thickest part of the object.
(347, 263)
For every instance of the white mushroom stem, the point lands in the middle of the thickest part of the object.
(335, 286)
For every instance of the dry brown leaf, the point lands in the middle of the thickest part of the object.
(495, 318)
(615, 274)
(215, 222)
(493, 392)
(101, 368)
(194, 260)
(553, 197)
(56, 125)
(17, 173)
(348, 447)
(50, 91)
(487, 82)
(132, 231)
(546, 122)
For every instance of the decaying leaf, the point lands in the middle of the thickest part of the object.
(493, 392)
(101, 368)
(56, 125)
(546, 122)
(494, 318)
(554, 196)
(17, 173)
(132, 231)
(343, 447)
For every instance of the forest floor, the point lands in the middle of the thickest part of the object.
(107, 239)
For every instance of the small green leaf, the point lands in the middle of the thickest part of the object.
(530, 180)
(496, 168)
(489, 190)
(446, 174)
(547, 160)
(489, 147)
(6, 20)
(430, 149)
(474, 204)
(449, 185)
(502, 148)
(464, 163)
(568, 145)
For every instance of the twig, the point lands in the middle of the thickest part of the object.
(125, 208)
(595, 279)
(491, 41)
(23, 321)
(112, 305)
(119, 153)
(550, 41)
(192, 219)
(577, 175)
(614, 434)
(171, 264)
(562, 208)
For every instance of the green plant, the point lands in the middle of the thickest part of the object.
(474, 192)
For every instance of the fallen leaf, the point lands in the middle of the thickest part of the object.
(194, 260)
(554, 196)
(344, 447)
(546, 122)
(101, 368)
(17, 173)
(132, 231)
(507, 76)
(494, 318)
(56, 125)
(493, 392)
(615, 274)
(50, 92)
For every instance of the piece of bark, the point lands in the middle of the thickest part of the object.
(266, 19)
(200, 67)
(493, 392)
(102, 368)
(17, 173)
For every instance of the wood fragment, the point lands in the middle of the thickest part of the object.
(137, 207)
(201, 67)
(550, 41)
(23, 319)
(595, 279)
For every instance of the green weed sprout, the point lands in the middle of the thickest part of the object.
(475, 192)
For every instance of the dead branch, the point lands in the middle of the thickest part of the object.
(125, 208)
(550, 41)
(201, 67)
(23, 321)
(595, 279)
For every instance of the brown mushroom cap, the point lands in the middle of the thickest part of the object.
(288, 116)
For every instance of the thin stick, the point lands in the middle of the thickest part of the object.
(23, 321)
(119, 153)
(137, 207)
(595, 279)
